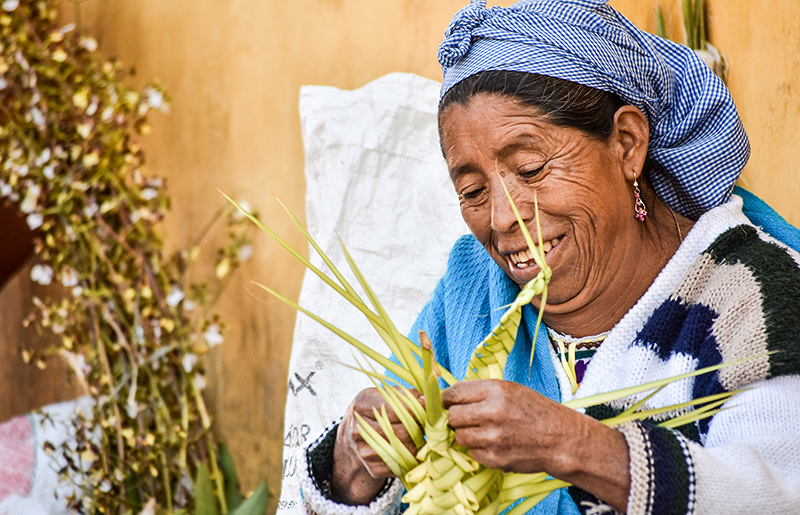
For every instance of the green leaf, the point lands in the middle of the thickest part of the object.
(233, 492)
(687, 15)
(661, 26)
(379, 358)
(256, 504)
(603, 398)
(205, 502)
(700, 24)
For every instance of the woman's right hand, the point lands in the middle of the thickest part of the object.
(358, 472)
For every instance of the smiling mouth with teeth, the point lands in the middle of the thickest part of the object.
(524, 259)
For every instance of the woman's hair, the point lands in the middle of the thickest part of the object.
(561, 102)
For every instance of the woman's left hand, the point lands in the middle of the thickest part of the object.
(510, 427)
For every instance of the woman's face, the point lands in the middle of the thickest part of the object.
(585, 201)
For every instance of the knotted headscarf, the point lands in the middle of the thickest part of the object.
(696, 134)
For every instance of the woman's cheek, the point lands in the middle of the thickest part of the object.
(478, 224)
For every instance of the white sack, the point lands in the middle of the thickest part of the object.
(376, 177)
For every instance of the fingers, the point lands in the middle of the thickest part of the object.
(472, 403)
(366, 404)
(468, 392)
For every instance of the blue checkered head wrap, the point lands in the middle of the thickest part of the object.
(696, 134)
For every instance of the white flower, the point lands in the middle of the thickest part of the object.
(29, 203)
(42, 274)
(212, 336)
(89, 44)
(244, 206)
(19, 57)
(155, 99)
(149, 508)
(44, 157)
(149, 193)
(245, 253)
(84, 129)
(49, 171)
(37, 117)
(200, 381)
(139, 333)
(76, 291)
(5, 189)
(91, 209)
(188, 362)
(132, 409)
(188, 305)
(22, 170)
(3, 84)
(10, 5)
(35, 220)
(175, 296)
(69, 278)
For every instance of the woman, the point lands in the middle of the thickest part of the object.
(630, 146)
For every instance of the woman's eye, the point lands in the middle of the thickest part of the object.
(530, 174)
(472, 196)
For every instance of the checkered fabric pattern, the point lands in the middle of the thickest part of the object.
(696, 134)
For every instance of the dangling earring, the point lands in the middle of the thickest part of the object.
(639, 210)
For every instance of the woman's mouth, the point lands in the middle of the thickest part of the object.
(524, 259)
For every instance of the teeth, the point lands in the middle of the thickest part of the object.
(523, 259)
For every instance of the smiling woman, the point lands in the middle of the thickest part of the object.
(578, 150)
(628, 147)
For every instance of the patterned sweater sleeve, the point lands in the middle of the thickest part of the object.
(315, 474)
(750, 462)
(747, 459)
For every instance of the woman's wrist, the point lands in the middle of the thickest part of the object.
(595, 459)
(351, 483)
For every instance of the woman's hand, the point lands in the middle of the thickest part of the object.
(510, 427)
(358, 471)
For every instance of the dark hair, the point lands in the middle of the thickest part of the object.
(560, 101)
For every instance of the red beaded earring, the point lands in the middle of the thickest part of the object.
(639, 210)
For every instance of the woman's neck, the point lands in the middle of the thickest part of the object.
(645, 256)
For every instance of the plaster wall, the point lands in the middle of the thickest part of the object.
(234, 69)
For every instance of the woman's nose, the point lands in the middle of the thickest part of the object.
(503, 217)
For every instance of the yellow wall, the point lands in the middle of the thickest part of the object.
(234, 69)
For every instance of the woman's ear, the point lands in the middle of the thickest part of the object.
(632, 134)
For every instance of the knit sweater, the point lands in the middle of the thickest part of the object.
(729, 292)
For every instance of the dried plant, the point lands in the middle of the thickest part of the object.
(130, 326)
